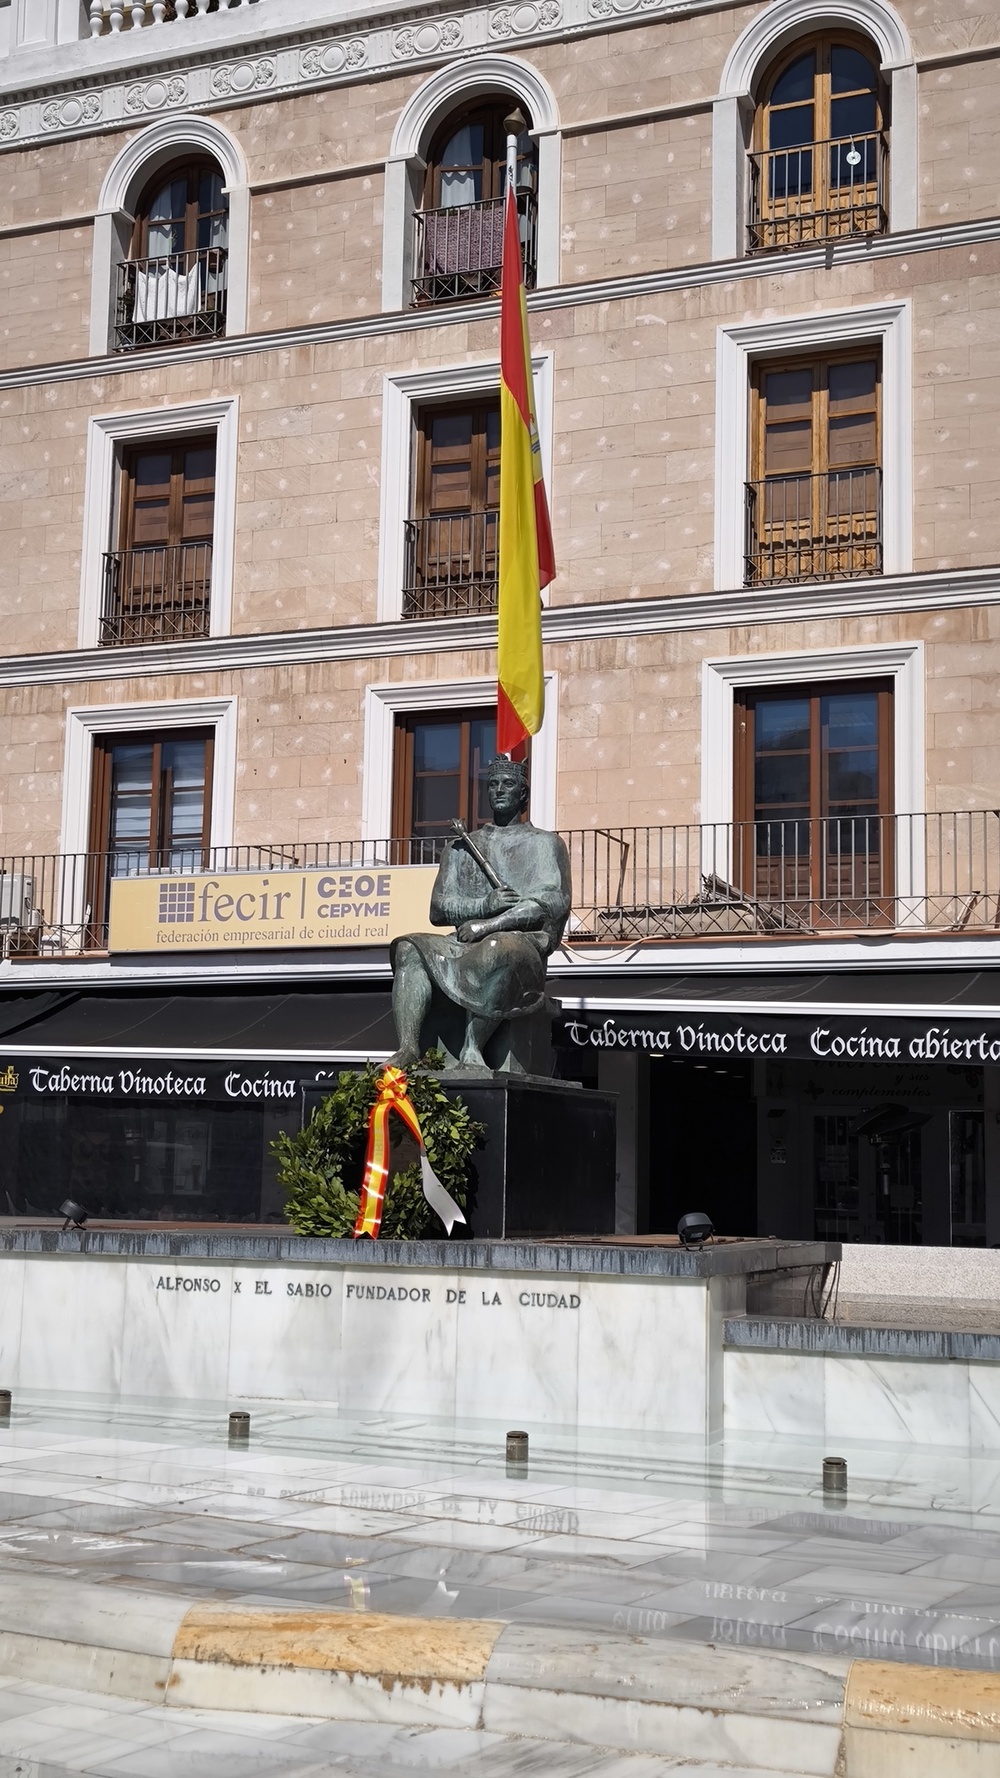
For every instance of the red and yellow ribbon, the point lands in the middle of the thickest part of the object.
(393, 1096)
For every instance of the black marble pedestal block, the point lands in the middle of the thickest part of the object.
(547, 1166)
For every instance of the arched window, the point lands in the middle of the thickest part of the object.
(458, 236)
(819, 170)
(173, 284)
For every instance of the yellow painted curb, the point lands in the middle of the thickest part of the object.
(452, 1651)
(949, 1702)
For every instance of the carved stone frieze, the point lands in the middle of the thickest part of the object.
(332, 58)
(156, 95)
(520, 21)
(427, 39)
(243, 77)
(66, 114)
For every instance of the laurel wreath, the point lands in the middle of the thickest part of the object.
(320, 1166)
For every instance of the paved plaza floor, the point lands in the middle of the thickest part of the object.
(626, 1533)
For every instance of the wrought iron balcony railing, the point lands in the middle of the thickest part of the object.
(814, 527)
(108, 17)
(821, 191)
(450, 567)
(459, 251)
(770, 880)
(178, 296)
(160, 593)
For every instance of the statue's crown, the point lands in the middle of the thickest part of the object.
(501, 766)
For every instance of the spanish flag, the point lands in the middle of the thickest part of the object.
(527, 561)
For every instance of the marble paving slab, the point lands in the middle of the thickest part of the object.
(657, 1537)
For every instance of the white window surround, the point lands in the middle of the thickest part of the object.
(887, 325)
(383, 703)
(400, 395)
(106, 433)
(404, 169)
(124, 183)
(732, 113)
(84, 724)
(902, 662)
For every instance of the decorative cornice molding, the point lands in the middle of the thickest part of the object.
(560, 296)
(947, 590)
(280, 60)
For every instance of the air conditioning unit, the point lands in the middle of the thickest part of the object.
(17, 896)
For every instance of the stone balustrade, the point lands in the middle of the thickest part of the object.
(108, 17)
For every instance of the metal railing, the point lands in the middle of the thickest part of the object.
(771, 879)
(176, 296)
(108, 17)
(814, 527)
(821, 191)
(160, 593)
(450, 565)
(459, 251)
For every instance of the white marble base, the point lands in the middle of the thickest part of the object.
(949, 1403)
(541, 1348)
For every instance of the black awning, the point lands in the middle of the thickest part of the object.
(320, 1021)
(949, 1016)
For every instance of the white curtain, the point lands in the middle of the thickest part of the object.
(165, 294)
(458, 163)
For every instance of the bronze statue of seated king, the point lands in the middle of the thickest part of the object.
(478, 993)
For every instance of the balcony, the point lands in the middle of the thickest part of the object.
(160, 593)
(822, 191)
(458, 252)
(178, 296)
(108, 17)
(769, 880)
(450, 565)
(814, 527)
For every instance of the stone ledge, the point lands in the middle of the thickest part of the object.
(833, 1338)
(604, 1258)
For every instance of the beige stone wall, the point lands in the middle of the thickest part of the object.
(636, 190)
(628, 726)
(632, 486)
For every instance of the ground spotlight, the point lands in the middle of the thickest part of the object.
(695, 1229)
(75, 1215)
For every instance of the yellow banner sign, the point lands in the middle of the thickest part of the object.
(305, 909)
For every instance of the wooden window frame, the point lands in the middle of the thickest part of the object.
(479, 408)
(830, 208)
(100, 854)
(838, 545)
(192, 170)
(819, 905)
(491, 113)
(176, 450)
(403, 778)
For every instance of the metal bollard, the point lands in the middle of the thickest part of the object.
(239, 1428)
(517, 1455)
(835, 1476)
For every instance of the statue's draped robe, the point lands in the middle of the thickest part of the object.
(503, 974)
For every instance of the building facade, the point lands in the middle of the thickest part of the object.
(249, 430)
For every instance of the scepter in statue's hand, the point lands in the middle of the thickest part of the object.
(465, 838)
(475, 929)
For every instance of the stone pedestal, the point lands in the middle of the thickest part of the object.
(547, 1166)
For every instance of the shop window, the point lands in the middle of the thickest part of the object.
(813, 801)
(458, 232)
(441, 767)
(158, 582)
(819, 170)
(150, 808)
(173, 284)
(450, 565)
(814, 500)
